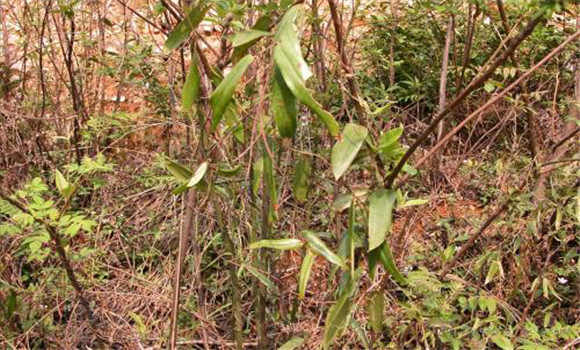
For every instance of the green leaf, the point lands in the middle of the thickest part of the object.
(186, 26)
(283, 106)
(360, 332)
(63, 186)
(292, 344)
(305, 270)
(295, 71)
(199, 173)
(489, 87)
(345, 150)
(287, 64)
(60, 180)
(280, 244)
(373, 258)
(181, 173)
(375, 309)
(381, 204)
(386, 258)
(141, 327)
(191, 87)
(257, 171)
(260, 276)
(321, 248)
(503, 342)
(493, 270)
(338, 315)
(262, 24)
(222, 95)
(247, 36)
(270, 182)
(228, 172)
(300, 182)
(413, 202)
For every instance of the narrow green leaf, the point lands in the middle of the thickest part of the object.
(321, 248)
(60, 181)
(260, 276)
(287, 66)
(386, 258)
(270, 182)
(373, 258)
(180, 189)
(283, 106)
(257, 171)
(198, 175)
(503, 342)
(186, 26)
(356, 327)
(246, 36)
(338, 314)
(413, 202)
(292, 344)
(375, 309)
(493, 270)
(301, 179)
(222, 95)
(381, 204)
(228, 172)
(191, 87)
(293, 67)
(262, 24)
(305, 270)
(280, 244)
(181, 173)
(63, 186)
(345, 150)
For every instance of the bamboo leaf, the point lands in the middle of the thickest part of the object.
(260, 276)
(246, 36)
(375, 309)
(257, 171)
(292, 344)
(279, 244)
(283, 106)
(381, 204)
(503, 342)
(63, 186)
(286, 64)
(386, 258)
(222, 95)
(60, 181)
(300, 182)
(373, 258)
(262, 24)
(360, 332)
(493, 270)
(186, 26)
(228, 172)
(181, 173)
(198, 175)
(345, 150)
(339, 313)
(191, 87)
(293, 67)
(321, 248)
(305, 270)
